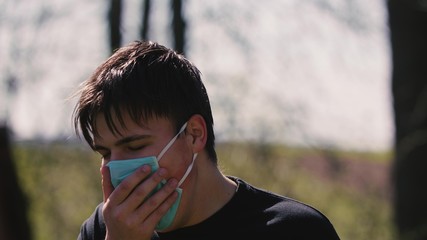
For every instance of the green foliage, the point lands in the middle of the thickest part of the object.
(62, 184)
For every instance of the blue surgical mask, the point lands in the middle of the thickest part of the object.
(120, 169)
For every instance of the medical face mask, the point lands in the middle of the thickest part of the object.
(120, 169)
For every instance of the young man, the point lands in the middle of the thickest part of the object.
(147, 112)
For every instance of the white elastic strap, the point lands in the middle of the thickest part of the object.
(188, 171)
(171, 142)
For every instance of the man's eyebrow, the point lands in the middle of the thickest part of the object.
(131, 138)
(98, 148)
(122, 141)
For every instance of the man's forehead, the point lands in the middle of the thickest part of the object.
(109, 135)
(122, 125)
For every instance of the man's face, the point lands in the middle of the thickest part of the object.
(142, 140)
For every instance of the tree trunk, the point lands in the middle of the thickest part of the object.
(178, 25)
(114, 18)
(13, 207)
(408, 32)
(146, 19)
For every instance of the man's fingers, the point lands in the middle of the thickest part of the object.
(107, 187)
(159, 203)
(142, 191)
(133, 199)
(136, 187)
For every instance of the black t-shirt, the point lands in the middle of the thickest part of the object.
(252, 213)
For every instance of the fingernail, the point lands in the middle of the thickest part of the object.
(162, 172)
(145, 168)
(173, 182)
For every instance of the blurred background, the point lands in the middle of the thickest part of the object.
(310, 72)
(301, 92)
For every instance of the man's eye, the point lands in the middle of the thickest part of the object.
(135, 148)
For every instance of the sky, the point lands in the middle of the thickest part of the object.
(313, 72)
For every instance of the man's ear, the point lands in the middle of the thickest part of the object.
(196, 127)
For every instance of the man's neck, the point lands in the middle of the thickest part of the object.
(209, 191)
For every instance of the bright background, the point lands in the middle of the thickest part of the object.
(311, 72)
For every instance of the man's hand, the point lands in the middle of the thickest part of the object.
(124, 214)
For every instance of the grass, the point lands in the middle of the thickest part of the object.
(62, 185)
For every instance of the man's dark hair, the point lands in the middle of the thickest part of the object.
(145, 80)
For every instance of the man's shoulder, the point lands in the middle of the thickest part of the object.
(287, 215)
(276, 202)
(93, 228)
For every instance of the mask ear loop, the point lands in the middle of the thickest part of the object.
(188, 170)
(171, 142)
